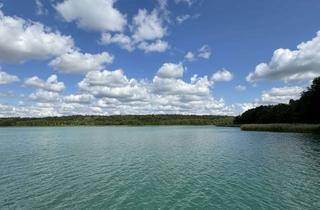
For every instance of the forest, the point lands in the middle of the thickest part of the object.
(130, 120)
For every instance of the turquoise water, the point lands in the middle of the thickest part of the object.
(157, 168)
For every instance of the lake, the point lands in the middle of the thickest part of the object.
(175, 167)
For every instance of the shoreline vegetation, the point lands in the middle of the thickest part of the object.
(118, 120)
(282, 127)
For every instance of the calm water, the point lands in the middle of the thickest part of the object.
(157, 168)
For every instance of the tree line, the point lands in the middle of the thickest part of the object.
(131, 120)
(304, 110)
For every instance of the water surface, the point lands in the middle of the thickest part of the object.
(157, 168)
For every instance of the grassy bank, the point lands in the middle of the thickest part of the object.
(294, 128)
(130, 120)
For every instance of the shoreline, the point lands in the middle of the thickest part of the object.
(118, 120)
(282, 128)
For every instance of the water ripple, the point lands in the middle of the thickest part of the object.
(157, 168)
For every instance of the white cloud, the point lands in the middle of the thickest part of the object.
(112, 92)
(171, 95)
(101, 78)
(157, 46)
(51, 84)
(222, 75)
(204, 52)
(147, 31)
(51, 108)
(148, 26)
(198, 87)
(241, 88)
(171, 70)
(164, 94)
(99, 15)
(80, 63)
(124, 41)
(78, 98)
(189, 56)
(22, 40)
(288, 65)
(6, 78)
(281, 95)
(112, 84)
(44, 96)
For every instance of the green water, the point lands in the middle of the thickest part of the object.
(157, 168)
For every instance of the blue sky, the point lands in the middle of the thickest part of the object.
(64, 57)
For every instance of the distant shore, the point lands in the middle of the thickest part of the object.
(154, 120)
(281, 127)
(118, 120)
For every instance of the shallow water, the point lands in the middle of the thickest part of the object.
(157, 168)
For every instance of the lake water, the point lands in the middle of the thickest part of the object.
(157, 168)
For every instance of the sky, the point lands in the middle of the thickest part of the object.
(110, 57)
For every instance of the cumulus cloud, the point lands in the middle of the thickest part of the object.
(291, 65)
(44, 96)
(198, 87)
(102, 15)
(148, 26)
(166, 93)
(51, 84)
(281, 95)
(51, 108)
(173, 95)
(22, 40)
(147, 31)
(112, 92)
(189, 56)
(157, 46)
(79, 63)
(78, 98)
(6, 78)
(203, 52)
(101, 78)
(124, 41)
(222, 75)
(171, 70)
(112, 84)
